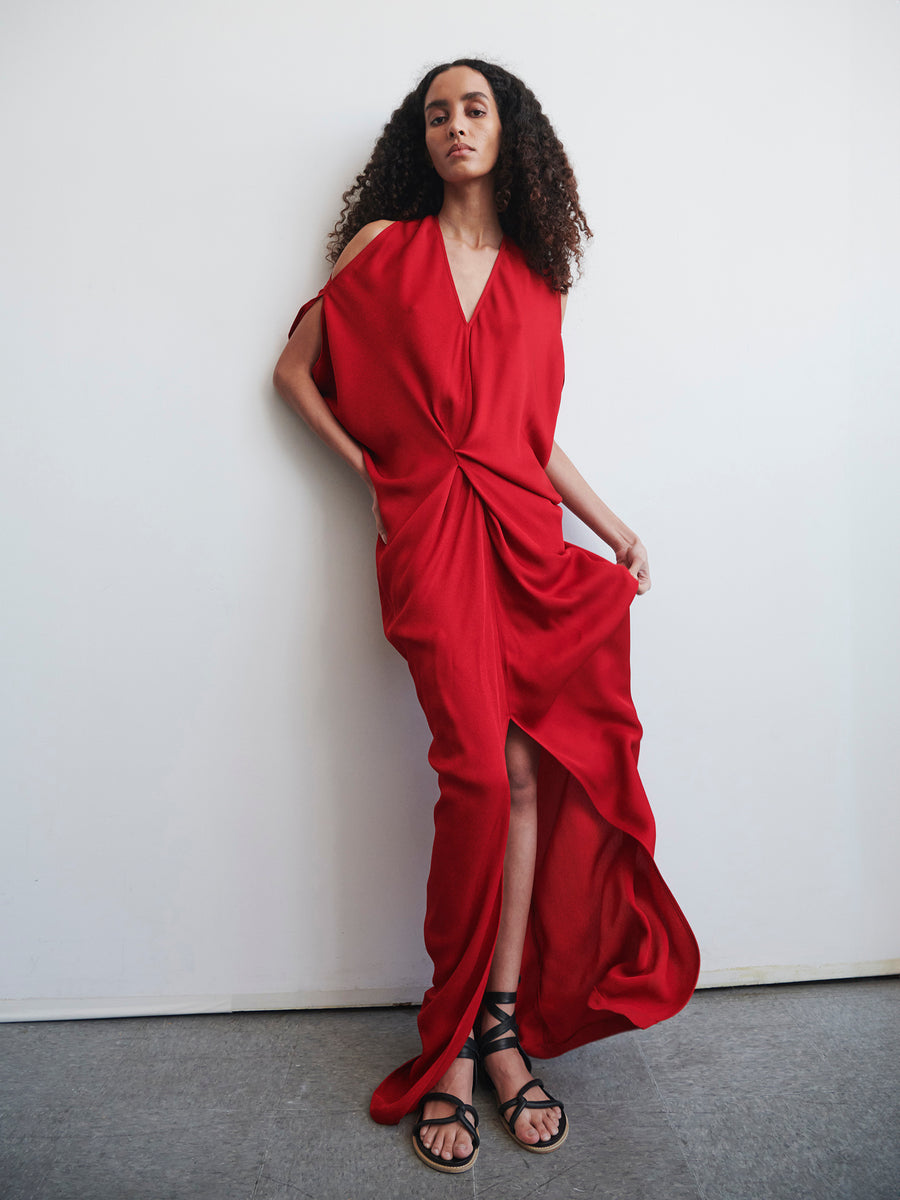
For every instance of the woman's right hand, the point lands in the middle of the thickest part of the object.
(376, 512)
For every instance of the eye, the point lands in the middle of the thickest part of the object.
(477, 112)
(437, 120)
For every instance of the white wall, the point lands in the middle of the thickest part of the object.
(215, 791)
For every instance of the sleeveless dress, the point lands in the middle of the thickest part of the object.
(500, 620)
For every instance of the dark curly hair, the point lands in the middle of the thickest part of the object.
(537, 197)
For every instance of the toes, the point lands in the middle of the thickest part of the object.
(443, 1144)
(546, 1126)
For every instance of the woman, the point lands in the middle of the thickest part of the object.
(431, 361)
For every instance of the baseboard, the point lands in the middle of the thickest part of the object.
(92, 1007)
(74, 1008)
(807, 973)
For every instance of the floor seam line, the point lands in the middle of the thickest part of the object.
(701, 1191)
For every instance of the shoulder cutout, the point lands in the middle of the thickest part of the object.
(563, 300)
(358, 242)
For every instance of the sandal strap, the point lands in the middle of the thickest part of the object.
(519, 1103)
(505, 1034)
(460, 1115)
(469, 1049)
(500, 997)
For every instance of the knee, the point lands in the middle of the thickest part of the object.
(521, 768)
(522, 785)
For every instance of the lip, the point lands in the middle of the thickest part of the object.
(460, 148)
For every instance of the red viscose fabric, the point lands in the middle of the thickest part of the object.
(500, 619)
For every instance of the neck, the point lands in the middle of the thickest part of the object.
(469, 213)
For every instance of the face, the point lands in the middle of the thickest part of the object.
(462, 125)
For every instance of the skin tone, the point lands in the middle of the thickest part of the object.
(462, 138)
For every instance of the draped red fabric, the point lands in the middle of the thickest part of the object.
(500, 619)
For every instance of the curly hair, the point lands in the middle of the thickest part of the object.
(535, 188)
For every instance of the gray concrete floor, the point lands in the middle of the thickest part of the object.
(749, 1094)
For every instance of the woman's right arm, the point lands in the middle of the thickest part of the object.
(294, 381)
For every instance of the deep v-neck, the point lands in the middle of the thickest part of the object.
(487, 283)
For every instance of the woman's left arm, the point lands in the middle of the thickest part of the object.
(583, 501)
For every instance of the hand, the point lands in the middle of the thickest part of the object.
(379, 524)
(634, 557)
(376, 512)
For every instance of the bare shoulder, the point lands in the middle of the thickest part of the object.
(358, 242)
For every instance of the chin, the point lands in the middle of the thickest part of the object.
(461, 171)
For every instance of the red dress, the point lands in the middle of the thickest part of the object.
(500, 619)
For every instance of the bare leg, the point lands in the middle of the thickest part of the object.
(505, 1067)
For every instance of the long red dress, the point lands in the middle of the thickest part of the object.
(500, 619)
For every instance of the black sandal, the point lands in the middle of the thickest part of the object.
(505, 1036)
(453, 1165)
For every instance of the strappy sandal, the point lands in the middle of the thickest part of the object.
(452, 1166)
(505, 1036)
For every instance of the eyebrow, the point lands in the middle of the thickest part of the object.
(467, 96)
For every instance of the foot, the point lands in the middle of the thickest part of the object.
(508, 1073)
(449, 1141)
